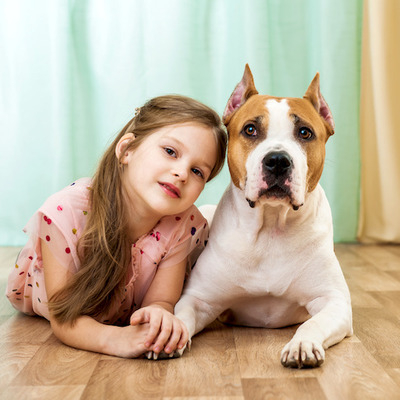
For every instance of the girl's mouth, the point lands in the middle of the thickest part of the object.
(170, 190)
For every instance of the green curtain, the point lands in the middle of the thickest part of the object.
(72, 73)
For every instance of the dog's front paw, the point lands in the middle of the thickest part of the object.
(302, 354)
(150, 355)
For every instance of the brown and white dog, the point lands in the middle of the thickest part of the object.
(270, 260)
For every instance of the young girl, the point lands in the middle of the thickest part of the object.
(106, 258)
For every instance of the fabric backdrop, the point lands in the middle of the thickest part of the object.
(380, 137)
(72, 73)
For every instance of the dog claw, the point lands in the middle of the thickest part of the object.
(302, 355)
(300, 363)
(150, 355)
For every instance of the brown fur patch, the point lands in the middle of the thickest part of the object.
(239, 146)
(315, 149)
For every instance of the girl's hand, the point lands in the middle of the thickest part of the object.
(166, 331)
(127, 341)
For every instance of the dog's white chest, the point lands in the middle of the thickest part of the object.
(261, 262)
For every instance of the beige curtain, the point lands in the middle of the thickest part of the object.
(380, 123)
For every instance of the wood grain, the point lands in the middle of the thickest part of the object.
(273, 389)
(225, 362)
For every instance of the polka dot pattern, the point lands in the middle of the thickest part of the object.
(60, 222)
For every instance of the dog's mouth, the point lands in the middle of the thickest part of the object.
(276, 192)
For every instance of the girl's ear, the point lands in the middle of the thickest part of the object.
(122, 145)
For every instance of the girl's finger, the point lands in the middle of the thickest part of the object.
(164, 334)
(184, 336)
(155, 325)
(174, 338)
(138, 317)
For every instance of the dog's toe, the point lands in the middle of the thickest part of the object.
(150, 355)
(302, 354)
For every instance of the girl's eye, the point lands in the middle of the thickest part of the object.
(198, 172)
(306, 133)
(170, 152)
(250, 130)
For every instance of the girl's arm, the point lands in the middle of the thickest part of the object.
(87, 333)
(166, 330)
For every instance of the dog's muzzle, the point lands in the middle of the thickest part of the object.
(277, 172)
(277, 168)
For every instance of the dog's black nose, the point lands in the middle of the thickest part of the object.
(277, 163)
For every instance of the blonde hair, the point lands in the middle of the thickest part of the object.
(103, 247)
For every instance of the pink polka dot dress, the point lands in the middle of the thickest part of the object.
(60, 222)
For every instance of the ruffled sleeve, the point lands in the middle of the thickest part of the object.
(41, 226)
(60, 222)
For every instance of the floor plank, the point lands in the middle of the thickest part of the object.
(212, 362)
(384, 343)
(127, 379)
(274, 389)
(56, 364)
(351, 372)
(65, 392)
(14, 357)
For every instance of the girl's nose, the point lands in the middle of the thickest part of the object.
(181, 173)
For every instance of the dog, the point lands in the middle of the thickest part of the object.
(270, 259)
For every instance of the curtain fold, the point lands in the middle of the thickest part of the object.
(380, 138)
(73, 71)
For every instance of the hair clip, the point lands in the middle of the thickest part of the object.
(137, 111)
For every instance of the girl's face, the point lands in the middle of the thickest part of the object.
(167, 172)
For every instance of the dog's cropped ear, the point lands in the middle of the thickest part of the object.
(243, 90)
(314, 95)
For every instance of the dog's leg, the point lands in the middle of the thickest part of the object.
(196, 312)
(330, 323)
(196, 315)
(198, 307)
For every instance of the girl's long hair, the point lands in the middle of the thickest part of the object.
(103, 248)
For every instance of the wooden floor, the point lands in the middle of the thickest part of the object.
(225, 362)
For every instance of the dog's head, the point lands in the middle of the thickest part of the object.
(276, 147)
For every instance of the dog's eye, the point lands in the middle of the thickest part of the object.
(306, 133)
(250, 130)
